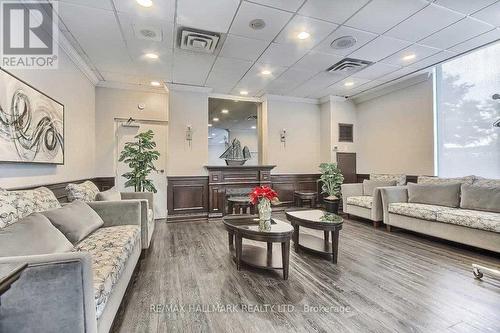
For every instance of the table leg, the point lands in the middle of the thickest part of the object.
(269, 253)
(327, 236)
(239, 246)
(296, 238)
(285, 257)
(335, 246)
(230, 238)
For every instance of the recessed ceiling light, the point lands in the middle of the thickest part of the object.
(409, 57)
(243, 92)
(266, 72)
(254, 127)
(155, 83)
(145, 3)
(349, 84)
(225, 111)
(215, 119)
(151, 55)
(303, 35)
(209, 125)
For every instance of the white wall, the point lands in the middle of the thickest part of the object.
(122, 103)
(187, 108)
(335, 111)
(71, 88)
(301, 153)
(343, 112)
(326, 132)
(395, 132)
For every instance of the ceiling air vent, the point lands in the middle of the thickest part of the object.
(198, 41)
(349, 65)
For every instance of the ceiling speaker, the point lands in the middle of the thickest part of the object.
(343, 42)
(257, 24)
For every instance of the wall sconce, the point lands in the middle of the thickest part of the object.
(189, 135)
(283, 136)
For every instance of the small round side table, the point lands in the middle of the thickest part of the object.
(301, 196)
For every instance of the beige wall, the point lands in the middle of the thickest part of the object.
(395, 132)
(343, 112)
(187, 108)
(301, 153)
(71, 88)
(122, 103)
(326, 151)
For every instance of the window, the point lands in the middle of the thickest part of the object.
(346, 133)
(467, 142)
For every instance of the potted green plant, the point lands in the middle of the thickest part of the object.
(331, 180)
(139, 156)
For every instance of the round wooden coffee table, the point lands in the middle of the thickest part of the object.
(319, 220)
(239, 227)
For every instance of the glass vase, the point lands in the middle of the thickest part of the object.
(264, 210)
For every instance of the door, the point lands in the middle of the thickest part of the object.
(126, 133)
(347, 164)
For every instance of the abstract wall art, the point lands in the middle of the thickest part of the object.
(31, 124)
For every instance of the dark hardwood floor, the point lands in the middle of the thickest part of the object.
(383, 282)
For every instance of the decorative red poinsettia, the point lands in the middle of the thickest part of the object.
(263, 192)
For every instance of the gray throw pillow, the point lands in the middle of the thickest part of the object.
(109, 195)
(370, 185)
(75, 220)
(476, 197)
(435, 194)
(32, 235)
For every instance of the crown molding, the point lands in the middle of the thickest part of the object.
(131, 86)
(235, 97)
(187, 87)
(392, 86)
(75, 57)
(290, 99)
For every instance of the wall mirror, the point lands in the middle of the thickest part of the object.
(232, 132)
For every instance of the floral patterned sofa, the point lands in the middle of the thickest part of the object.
(88, 282)
(475, 225)
(88, 192)
(365, 201)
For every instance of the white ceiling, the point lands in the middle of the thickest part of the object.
(104, 31)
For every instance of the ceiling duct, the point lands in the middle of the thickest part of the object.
(198, 40)
(349, 66)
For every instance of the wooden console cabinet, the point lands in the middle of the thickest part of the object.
(224, 180)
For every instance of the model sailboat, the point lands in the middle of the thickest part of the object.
(234, 155)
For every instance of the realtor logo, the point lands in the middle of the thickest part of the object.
(29, 34)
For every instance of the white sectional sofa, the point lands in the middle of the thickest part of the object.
(464, 210)
(75, 287)
(364, 200)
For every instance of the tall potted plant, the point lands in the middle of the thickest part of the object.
(140, 155)
(331, 180)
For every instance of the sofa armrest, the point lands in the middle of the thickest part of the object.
(139, 195)
(392, 194)
(53, 294)
(116, 213)
(350, 190)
